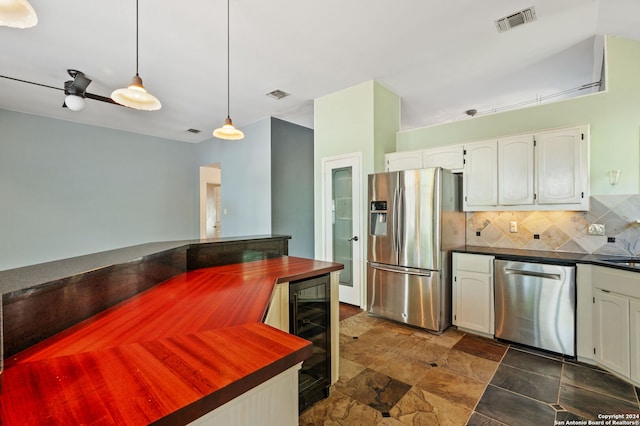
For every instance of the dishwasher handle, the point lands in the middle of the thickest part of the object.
(533, 274)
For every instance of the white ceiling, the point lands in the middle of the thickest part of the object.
(440, 57)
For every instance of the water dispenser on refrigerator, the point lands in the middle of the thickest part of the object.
(378, 220)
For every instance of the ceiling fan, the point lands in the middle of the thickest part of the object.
(75, 90)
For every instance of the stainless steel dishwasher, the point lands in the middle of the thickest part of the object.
(535, 304)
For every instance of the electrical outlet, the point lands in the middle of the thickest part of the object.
(596, 229)
(513, 226)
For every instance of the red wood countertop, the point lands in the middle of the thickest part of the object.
(168, 355)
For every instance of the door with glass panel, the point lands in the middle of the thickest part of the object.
(342, 223)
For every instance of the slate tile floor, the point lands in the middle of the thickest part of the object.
(391, 374)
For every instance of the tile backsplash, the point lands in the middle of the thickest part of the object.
(563, 230)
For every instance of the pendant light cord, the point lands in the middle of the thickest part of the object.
(137, 31)
(228, 72)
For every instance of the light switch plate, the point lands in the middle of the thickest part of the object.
(513, 226)
(596, 229)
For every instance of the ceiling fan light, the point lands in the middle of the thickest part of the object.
(17, 14)
(228, 131)
(135, 96)
(74, 102)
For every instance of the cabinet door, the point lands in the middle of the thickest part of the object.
(448, 157)
(515, 170)
(480, 175)
(634, 316)
(611, 331)
(561, 162)
(403, 161)
(473, 292)
(473, 299)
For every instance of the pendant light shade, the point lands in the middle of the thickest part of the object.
(17, 14)
(228, 131)
(135, 95)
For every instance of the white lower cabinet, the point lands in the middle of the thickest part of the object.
(473, 308)
(634, 342)
(611, 334)
(616, 321)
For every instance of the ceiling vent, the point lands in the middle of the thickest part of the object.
(516, 19)
(196, 131)
(277, 94)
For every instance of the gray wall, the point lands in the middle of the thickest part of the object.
(245, 179)
(68, 189)
(292, 185)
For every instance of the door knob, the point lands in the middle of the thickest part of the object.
(354, 238)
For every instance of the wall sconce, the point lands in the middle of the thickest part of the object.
(614, 177)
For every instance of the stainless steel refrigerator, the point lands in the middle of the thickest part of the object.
(415, 220)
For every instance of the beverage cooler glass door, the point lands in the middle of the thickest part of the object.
(405, 295)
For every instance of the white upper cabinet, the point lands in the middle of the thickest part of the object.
(538, 171)
(480, 175)
(515, 170)
(404, 160)
(562, 166)
(448, 157)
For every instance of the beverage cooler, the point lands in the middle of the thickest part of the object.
(309, 318)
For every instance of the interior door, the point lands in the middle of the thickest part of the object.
(342, 222)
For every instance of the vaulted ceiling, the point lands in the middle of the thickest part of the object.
(442, 58)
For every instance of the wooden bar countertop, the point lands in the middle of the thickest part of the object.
(168, 355)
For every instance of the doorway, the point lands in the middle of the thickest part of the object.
(210, 201)
(342, 213)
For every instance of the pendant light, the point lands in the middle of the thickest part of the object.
(135, 96)
(17, 14)
(228, 131)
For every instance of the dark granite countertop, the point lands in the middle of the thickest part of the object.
(556, 257)
(33, 275)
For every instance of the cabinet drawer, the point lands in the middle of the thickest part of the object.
(473, 262)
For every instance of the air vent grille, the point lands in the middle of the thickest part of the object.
(196, 131)
(277, 94)
(516, 19)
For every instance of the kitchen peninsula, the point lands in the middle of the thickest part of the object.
(193, 342)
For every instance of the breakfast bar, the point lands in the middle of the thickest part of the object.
(168, 355)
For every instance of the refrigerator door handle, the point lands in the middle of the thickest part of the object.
(400, 214)
(422, 273)
(394, 221)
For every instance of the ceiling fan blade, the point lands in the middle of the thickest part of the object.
(77, 86)
(100, 98)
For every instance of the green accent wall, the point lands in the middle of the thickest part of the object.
(361, 119)
(614, 117)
